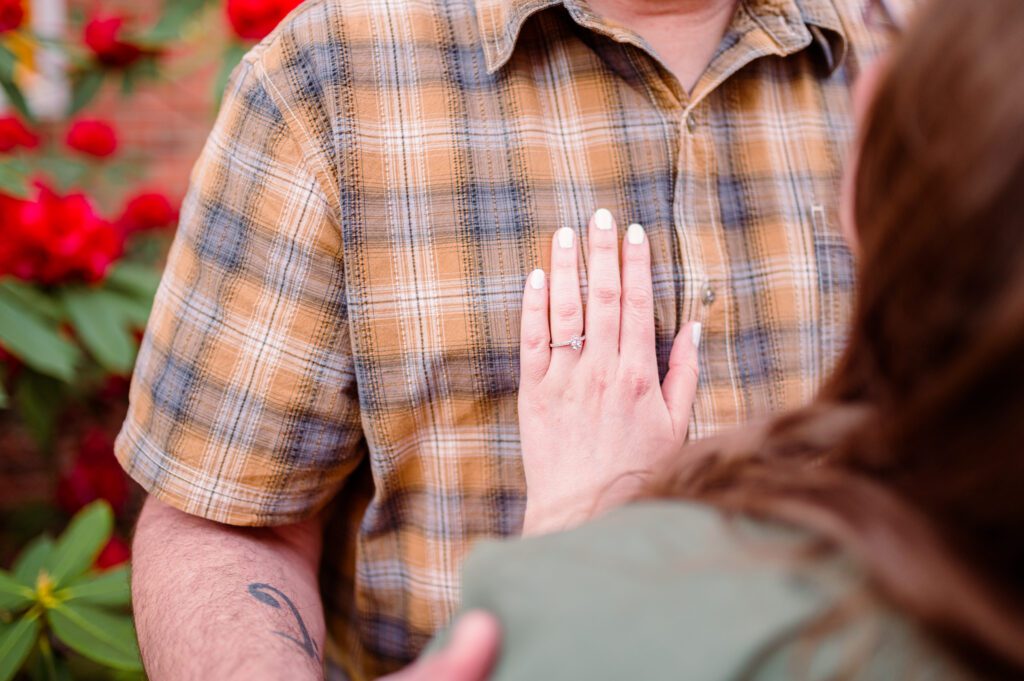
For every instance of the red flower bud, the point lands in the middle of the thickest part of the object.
(12, 14)
(103, 37)
(14, 134)
(92, 137)
(115, 553)
(148, 210)
(95, 474)
(254, 19)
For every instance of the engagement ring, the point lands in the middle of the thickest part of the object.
(576, 343)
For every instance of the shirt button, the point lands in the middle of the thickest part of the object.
(691, 123)
(707, 295)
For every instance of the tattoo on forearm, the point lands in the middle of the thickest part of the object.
(260, 591)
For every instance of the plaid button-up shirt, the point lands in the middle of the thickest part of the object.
(339, 317)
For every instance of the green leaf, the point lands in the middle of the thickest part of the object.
(66, 172)
(136, 280)
(32, 298)
(85, 88)
(16, 99)
(120, 675)
(148, 68)
(8, 60)
(81, 542)
(128, 82)
(45, 666)
(33, 558)
(14, 178)
(16, 641)
(14, 595)
(172, 22)
(135, 311)
(97, 634)
(110, 588)
(38, 400)
(102, 325)
(4, 399)
(34, 341)
(232, 55)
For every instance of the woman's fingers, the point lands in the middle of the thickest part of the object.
(680, 385)
(636, 346)
(604, 287)
(566, 305)
(535, 335)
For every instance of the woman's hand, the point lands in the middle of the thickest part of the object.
(593, 421)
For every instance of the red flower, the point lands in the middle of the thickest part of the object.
(13, 133)
(95, 474)
(56, 238)
(148, 210)
(114, 389)
(93, 137)
(12, 14)
(103, 36)
(7, 358)
(115, 553)
(254, 19)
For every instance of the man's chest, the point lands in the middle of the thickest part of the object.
(455, 192)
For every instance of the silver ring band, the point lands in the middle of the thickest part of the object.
(576, 343)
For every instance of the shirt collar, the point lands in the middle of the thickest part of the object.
(500, 23)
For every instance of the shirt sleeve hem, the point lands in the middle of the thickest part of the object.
(167, 479)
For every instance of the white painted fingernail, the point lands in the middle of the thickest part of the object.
(696, 330)
(565, 237)
(635, 234)
(603, 219)
(537, 279)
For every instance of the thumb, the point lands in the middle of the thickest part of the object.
(680, 385)
(469, 655)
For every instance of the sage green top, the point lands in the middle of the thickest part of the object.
(667, 590)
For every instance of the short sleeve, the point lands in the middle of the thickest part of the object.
(243, 406)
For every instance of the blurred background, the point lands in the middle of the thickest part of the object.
(104, 107)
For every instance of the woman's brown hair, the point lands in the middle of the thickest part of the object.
(912, 457)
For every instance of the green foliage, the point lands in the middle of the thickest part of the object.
(38, 399)
(14, 176)
(81, 542)
(36, 340)
(111, 589)
(32, 560)
(232, 56)
(94, 632)
(175, 17)
(84, 88)
(16, 641)
(51, 591)
(13, 594)
(102, 321)
(65, 172)
(8, 62)
(59, 618)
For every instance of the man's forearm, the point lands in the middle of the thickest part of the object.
(219, 602)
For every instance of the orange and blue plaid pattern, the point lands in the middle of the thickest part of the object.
(339, 316)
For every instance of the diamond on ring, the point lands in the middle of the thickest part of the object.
(576, 343)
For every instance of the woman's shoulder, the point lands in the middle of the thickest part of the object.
(661, 590)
